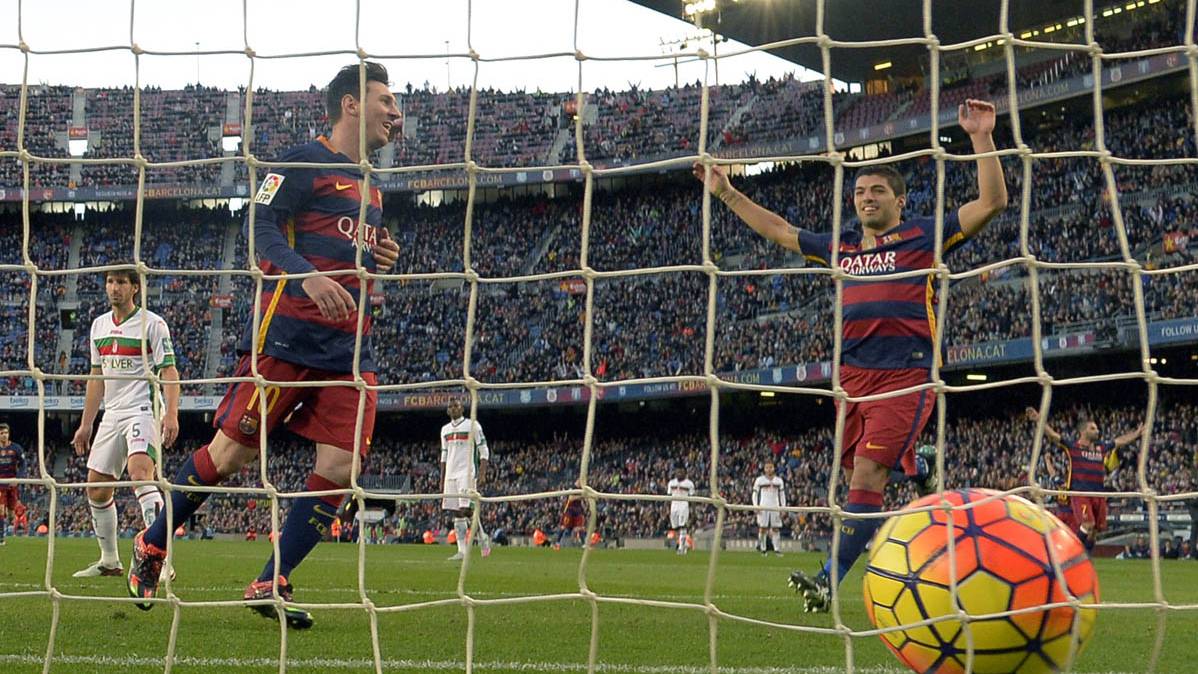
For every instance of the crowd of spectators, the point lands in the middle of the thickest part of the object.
(655, 324)
(991, 451)
(512, 128)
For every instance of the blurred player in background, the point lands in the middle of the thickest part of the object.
(769, 491)
(128, 431)
(305, 220)
(574, 519)
(680, 511)
(12, 464)
(1088, 459)
(889, 326)
(464, 458)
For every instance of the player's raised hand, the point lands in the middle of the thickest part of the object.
(334, 301)
(170, 429)
(1031, 414)
(717, 183)
(386, 251)
(976, 116)
(82, 440)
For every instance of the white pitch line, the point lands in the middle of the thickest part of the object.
(434, 665)
(450, 594)
(425, 665)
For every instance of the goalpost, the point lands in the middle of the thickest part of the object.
(715, 383)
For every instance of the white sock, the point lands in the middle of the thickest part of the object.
(150, 499)
(461, 527)
(483, 539)
(776, 538)
(761, 541)
(682, 539)
(104, 522)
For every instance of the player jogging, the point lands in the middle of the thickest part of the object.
(305, 219)
(680, 511)
(12, 464)
(1088, 458)
(888, 326)
(464, 457)
(768, 491)
(128, 432)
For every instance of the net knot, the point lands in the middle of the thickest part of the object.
(579, 56)
(471, 166)
(932, 42)
(23, 46)
(471, 383)
(136, 49)
(474, 56)
(471, 275)
(249, 51)
(702, 54)
(589, 380)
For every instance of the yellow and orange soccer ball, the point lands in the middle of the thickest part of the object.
(1004, 548)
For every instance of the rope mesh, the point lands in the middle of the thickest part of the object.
(833, 157)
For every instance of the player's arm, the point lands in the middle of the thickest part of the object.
(763, 221)
(91, 407)
(272, 208)
(1034, 416)
(756, 491)
(977, 119)
(170, 393)
(1129, 437)
(484, 454)
(444, 457)
(164, 363)
(782, 495)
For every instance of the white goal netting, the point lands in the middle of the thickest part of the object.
(833, 157)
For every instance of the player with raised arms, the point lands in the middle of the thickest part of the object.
(1088, 460)
(889, 325)
(680, 511)
(12, 463)
(128, 432)
(769, 491)
(464, 457)
(305, 220)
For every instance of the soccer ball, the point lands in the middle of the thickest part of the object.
(1004, 551)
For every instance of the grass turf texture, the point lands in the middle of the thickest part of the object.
(538, 636)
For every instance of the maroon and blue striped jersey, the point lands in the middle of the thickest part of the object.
(12, 460)
(888, 324)
(306, 219)
(1086, 464)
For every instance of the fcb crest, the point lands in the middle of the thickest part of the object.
(248, 424)
(270, 186)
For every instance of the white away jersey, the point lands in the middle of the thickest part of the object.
(768, 491)
(458, 453)
(117, 349)
(680, 488)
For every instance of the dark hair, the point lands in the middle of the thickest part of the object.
(892, 176)
(347, 82)
(129, 275)
(4, 426)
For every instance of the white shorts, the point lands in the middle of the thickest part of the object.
(119, 437)
(679, 517)
(457, 485)
(769, 519)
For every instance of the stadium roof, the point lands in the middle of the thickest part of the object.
(757, 22)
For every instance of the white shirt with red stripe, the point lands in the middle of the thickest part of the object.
(461, 450)
(116, 349)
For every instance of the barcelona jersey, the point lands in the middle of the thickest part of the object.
(888, 324)
(12, 460)
(306, 219)
(1087, 464)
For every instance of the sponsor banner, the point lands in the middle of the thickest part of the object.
(1168, 332)
(221, 301)
(993, 353)
(231, 129)
(77, 133)
(806, 374)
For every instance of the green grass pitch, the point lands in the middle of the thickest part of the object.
(540, 636)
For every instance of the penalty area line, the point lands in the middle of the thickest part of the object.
(424, 665)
